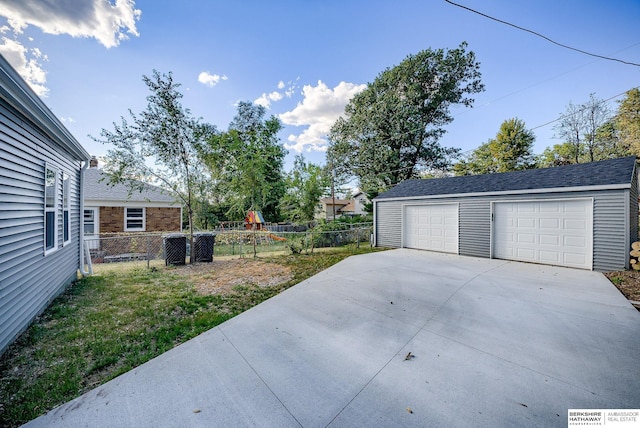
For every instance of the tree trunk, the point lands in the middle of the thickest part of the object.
(191, 256)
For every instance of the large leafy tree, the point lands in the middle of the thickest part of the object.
(160, 145)
(558, 155)
(247, 163)
(510, 150)
(627, 121)
(391, 130)
(306, 184)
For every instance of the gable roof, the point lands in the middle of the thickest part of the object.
(97, 187)
(616, 173)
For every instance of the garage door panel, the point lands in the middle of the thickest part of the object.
(551, 232)
(549, 240)
(525, 208)
(575, 224)
(551, 257)
(574, 258)
(575, 241)
(551, 208)
(526, 238)
(526, 222)
(549, 223)
(526, 254)
(431, 227)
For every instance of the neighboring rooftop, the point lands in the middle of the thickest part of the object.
(602, 173)
(330, 201)
(97, 187)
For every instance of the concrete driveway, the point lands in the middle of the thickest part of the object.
(492, 343)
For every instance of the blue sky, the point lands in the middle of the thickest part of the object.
(305, 59)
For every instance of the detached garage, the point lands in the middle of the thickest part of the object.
(582, 216)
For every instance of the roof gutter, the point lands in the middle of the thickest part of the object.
(84, 248)
(511, 192)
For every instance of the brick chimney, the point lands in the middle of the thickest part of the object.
(93, 163)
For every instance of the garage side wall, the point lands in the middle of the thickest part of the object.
(610, 223)
(388, 225)
(609, 232)
(634, 210)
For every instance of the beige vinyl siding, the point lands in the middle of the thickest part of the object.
(29, 280)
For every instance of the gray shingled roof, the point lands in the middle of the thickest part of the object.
(95, 189)
(603, 173)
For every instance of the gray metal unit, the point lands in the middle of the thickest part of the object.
(29, 280)
(610, 225)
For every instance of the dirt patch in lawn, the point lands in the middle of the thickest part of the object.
(628, 282)
(221, 276)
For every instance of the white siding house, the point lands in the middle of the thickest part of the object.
(40, 204)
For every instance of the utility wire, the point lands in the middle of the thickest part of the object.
(580, 110)
(541, 35)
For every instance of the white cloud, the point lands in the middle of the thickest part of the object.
(289, 88)
(104, 20)
(266, 99)
(109, 23)
(318, 111)
(209, 79)
(263, 100)
(67, 120)
(275, 96)
(28, 63)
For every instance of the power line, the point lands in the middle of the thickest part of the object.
(541, 35)
(580, 110)
(501, 97)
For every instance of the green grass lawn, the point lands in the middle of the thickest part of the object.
(107, 324)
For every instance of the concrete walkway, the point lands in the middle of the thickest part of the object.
(492, 343)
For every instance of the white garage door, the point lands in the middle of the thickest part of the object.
(549, 232)
(431, 227)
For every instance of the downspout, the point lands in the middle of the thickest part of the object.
(84, 249)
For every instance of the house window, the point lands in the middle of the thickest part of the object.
(66, 204)
(89, 222)
(134, 219)
(50, 209)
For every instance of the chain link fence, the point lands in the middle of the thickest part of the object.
(174, 248)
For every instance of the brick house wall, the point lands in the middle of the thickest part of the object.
(163, 220)
(111, 219)
(157, 219)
